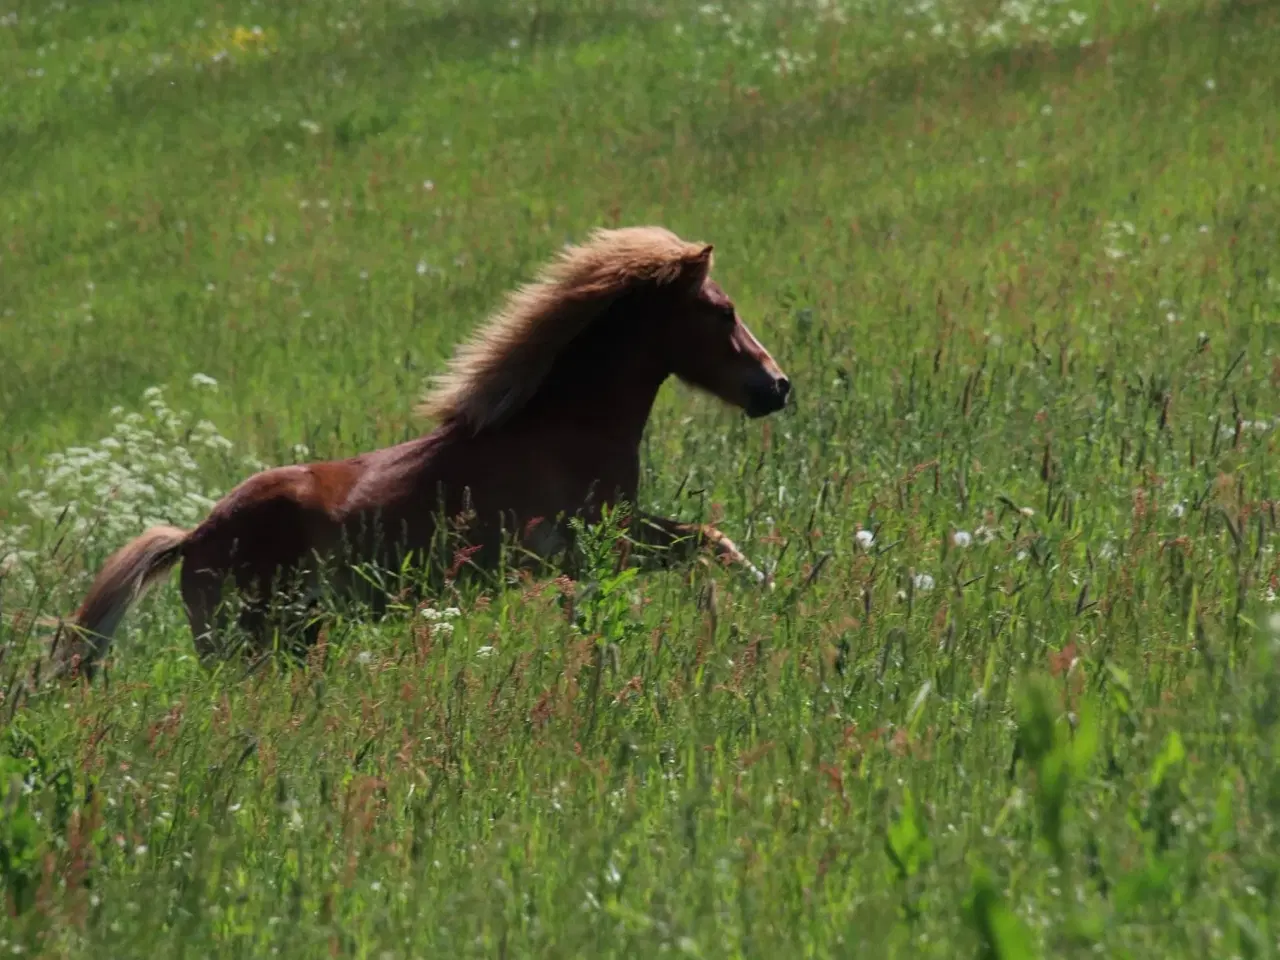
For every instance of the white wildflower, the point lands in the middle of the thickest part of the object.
(204, 380)
(434, 615)
(962, 538)
(923, 582)
(141, 474)
(441, 620)
(865, 539)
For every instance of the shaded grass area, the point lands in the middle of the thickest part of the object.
(1016, 690)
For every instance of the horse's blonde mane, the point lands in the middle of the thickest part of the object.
(498, 370)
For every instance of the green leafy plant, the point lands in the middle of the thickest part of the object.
(1056, 755)
(908, 847)
(1001, 935)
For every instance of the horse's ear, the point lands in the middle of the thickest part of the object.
(698, 266)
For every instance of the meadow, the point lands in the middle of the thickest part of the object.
(1017, 691)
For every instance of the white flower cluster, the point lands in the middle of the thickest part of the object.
(12, 556)
(151, 469)
(748, 27)
(1257, 426)
(441, 620)
(1121, 242)
(1006, 22)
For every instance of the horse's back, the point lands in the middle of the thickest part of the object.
(276, 515)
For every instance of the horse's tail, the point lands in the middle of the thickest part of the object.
(124, 578)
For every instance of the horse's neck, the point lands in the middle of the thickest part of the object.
(602, 385)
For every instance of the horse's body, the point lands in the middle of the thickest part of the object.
(541, 418)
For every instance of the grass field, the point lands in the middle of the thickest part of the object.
(1017, 692)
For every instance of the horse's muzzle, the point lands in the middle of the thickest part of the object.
(767, 396)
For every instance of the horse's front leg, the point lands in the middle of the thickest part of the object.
(679, 543)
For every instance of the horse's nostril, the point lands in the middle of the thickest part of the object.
(783, 386)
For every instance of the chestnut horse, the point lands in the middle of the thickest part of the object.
(540, 417)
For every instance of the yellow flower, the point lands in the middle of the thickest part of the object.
(244, 38)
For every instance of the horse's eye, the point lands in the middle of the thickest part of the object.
(728, 313)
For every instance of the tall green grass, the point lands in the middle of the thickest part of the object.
(1016, 692)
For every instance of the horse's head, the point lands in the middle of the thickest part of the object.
(711, 348)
